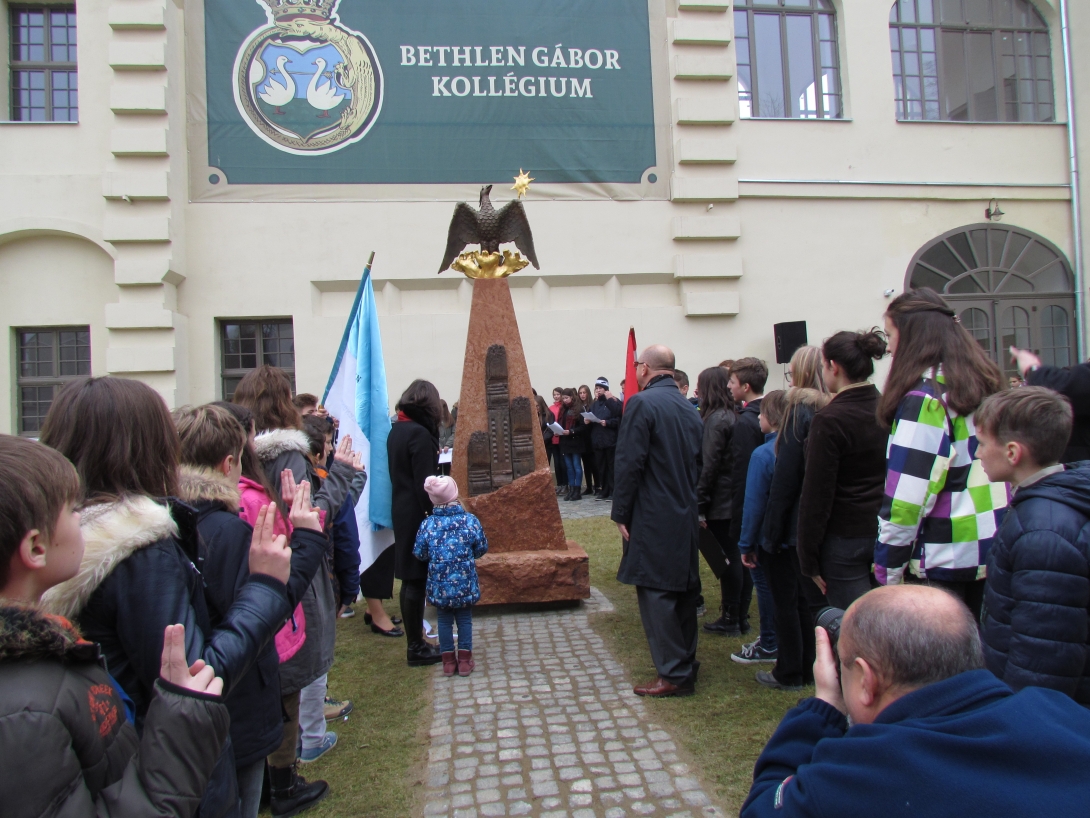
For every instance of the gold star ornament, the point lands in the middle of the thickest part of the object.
(522, 183)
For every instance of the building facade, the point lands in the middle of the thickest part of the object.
(810, 159)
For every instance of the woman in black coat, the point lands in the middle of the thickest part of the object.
(413, 450)
(845, 476)
(713, 494)
(574, 441)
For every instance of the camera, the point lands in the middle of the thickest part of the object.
(830, 619)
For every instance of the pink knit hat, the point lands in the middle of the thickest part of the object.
(441, 490)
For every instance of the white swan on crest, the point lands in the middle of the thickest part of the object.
(326, 96)
(277, 93)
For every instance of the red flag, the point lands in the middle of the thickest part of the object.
(631, 385)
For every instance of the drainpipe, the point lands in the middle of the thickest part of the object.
(1076, 202)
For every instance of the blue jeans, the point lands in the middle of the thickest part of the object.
(250, 780)
(574, 465)
(447, 618)
(765, 607)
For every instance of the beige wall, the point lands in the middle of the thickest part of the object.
(790, 240)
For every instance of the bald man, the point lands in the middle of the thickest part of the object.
(654, 505)
(916, 727)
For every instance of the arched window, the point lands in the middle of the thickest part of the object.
(787, 59)
(1009, 286)
(971, 61)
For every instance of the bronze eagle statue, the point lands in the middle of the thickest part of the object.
(489, 228)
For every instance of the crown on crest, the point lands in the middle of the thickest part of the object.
(292, 9)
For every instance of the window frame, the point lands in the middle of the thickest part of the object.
(777, 7)
(227, 374)
(48, 66)
(56, 380)
(996, 31)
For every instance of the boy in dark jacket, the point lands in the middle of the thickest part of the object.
(450, 540)
(211, 457)
(1038, 583)
(68, 744)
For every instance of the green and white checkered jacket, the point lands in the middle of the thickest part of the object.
(940, 511)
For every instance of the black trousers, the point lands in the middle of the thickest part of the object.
(845, 567)
(670, 623)
(736, 584)
(795, 605)
(590, 471)
(553, 451)
(603, 458)
(971, 592)
(412, 603)
(377, 582)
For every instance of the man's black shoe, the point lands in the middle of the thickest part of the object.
(291, 793)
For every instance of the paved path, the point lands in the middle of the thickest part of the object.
(587, 507)
(548, 726)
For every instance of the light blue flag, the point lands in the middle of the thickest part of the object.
(356, 395)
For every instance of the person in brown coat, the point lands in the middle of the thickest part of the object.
(845, 472)
(68, 744)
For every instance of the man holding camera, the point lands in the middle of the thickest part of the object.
(909, 723)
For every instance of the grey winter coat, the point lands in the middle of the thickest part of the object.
(713, 490)
(654, 492)
(287, 449)
(68, 750)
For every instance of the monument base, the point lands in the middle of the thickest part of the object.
(534, 576)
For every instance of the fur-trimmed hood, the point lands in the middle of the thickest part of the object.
(112, 532)
(200, 484)
(270, 445)
(27, 634)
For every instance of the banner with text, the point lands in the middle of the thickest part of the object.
(427, 91)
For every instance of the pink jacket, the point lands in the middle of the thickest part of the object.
(292, 636)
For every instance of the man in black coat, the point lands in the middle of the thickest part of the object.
(603, 434)
(1073, 382)
(655, 508)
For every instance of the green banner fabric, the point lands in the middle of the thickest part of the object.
(428, 91)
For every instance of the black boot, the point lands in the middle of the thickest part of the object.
(419, 652)
(291, 794)
(726, 624)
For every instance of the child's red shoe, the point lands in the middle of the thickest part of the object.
(465, 662)
(450, 664)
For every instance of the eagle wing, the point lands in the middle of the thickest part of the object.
(462, 231)
(514, 226)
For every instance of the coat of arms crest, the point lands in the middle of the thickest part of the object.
(305, 83)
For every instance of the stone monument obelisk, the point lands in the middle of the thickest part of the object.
(499, 459)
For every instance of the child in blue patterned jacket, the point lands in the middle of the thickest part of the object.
(450, 540)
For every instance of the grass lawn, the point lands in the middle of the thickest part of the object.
(377, 767)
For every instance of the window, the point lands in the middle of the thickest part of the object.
(971, 61)
(246, 345)
(1009, 286)
(785, 49)
(43, 64)
(48, 357)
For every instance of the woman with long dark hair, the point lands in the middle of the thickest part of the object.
(590, 467)
(413, 450)
(845, 472)
(573, 442)
(713, 491)
(939, 512)
(795, 597)
(139, 570)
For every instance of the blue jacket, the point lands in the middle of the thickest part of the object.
(963, 746)
(762, 463)
(449, 540)
(345, 533)
(1037, 596)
